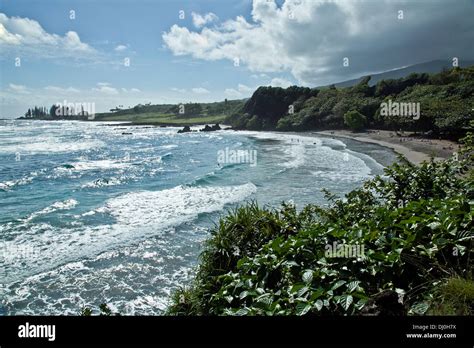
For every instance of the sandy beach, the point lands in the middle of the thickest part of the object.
(415, 149)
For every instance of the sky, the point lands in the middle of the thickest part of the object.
(125, 52)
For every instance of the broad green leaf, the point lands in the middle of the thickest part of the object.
(302, 308)
(352, 285)
(318, 304)
(338, 284)
(420, 308)
(243, 294)
(302, 291)
(308, 276)
(346, 301)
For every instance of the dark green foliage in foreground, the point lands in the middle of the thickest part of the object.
(446, 100)
(416, 226)
(104, 310)
(240, 233)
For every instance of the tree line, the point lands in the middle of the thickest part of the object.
(55, 111)
(446, 102)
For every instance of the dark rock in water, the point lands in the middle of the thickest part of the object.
(186, 129)
(101, 181)
(68, 166)
(211, 129)
(126, 133)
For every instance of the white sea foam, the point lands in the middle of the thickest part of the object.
(137, 215)
(7, 185)
(60, 205)
(297, 155)
(294, 147)
(102, 183)
(135, 279)
(169, 146)
(176, 205)
(48, 145)
(99, 164)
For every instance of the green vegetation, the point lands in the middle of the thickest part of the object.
(169, 114)
(414, 233)
(267, 106)
(355, 120)
(36, 112)
(161, 114)
(57, 112)
(446, 103)
(455, 296)
(104, 310)
(155, 119)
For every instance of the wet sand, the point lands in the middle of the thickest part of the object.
(415, 149)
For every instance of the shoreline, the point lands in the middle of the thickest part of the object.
(415, 150)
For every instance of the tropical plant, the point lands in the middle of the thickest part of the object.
(355, 120)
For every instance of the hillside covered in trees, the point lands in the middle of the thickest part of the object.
(445, 100)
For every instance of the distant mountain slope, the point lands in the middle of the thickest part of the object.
(432, 67)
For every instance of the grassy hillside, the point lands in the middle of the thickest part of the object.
(171, 114)
(162, 119)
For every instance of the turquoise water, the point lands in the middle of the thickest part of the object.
(90, 214)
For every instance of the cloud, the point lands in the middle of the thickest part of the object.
(232, 92)
(239, 91)
(200, 90)
(199, 20)
(244, 89)
(131, 90)
(105, 88)
(310, 38)
(258, 76)
(279, 82)
(61, 90)
(18, 89)
(120, 48)
(24, 35)
(179, 90)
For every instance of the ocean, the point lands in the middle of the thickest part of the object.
(94, 212)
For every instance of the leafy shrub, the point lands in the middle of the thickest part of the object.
(240, 233)
(104, 310)
(355, 120)
(415, 225)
